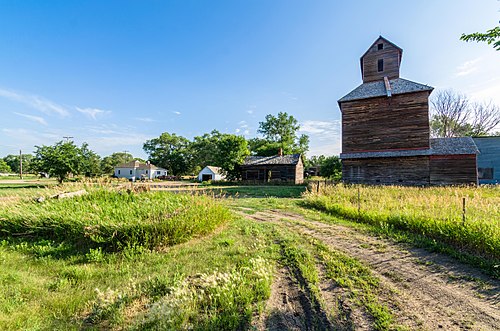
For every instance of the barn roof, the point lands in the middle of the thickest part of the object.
(439, 146)
(378, 89)
(291, 159)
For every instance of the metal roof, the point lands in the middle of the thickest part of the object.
(291, 159)
(439, 146)
(377, 89)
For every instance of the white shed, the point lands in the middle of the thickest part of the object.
(211, 173)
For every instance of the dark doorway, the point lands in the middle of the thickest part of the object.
(205, 177)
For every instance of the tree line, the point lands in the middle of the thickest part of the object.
(452, 115)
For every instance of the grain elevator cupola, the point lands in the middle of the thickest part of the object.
(382, 59)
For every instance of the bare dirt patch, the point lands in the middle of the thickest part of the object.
(424, 290)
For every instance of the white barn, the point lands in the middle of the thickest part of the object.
(136, 170)
(211, 173)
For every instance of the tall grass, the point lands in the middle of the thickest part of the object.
(115, 220)
(435, 213)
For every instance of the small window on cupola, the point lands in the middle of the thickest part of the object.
(380, 64)
(380, 46)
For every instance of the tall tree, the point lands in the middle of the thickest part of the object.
(4, 167)
(171, 152)
(453, 115)
(91, 166)
(13, 162)
(331, 167)
(491, 36)
(279, 132)
(64, 158)
(109, 162)
(223, 150)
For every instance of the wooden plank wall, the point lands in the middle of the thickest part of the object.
(387, 171)
(280, 173)
(453, 170)
(391, 56)
(398, 122)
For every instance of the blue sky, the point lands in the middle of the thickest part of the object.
(116, 73)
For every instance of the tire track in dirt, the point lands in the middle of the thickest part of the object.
(425, 290)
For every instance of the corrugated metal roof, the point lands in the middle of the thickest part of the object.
(377, 89)
(291, 159)
(439, 146)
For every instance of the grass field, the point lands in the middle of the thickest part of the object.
(435, 213)
(119, 259)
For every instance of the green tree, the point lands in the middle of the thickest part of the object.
(331, 167)
(13, 162)
(223, 150)
(491, 36)
(64, 158)
(279, 131)
(91, 166)
(4, 167)
(109, 162)
(171, 152)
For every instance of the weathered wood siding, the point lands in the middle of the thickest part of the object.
(299, 172)
(453, 170)
(273, 173)
(387, 171)
(397, 122)
(389, 54)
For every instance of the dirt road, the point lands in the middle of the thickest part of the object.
(426, 291)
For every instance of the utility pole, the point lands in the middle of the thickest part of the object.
(21, 164)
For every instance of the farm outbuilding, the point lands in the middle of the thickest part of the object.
(385, 130)
(277, 168)
(135, 170)
(488, 161)
(211, 173)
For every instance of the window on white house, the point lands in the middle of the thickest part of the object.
(131, 172)
(118, 172)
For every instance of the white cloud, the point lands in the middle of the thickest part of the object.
(246, 132)
(467, 67)
(145, 119)
(92, 112)
(325, 149)
(33, 118)
(250, 111)
(321, 130)
(176, 112)
(45, 106)
(237, 131)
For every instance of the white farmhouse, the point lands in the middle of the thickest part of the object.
(211, 173)
(136, 170)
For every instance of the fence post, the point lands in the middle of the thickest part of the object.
(317, 189)
(359, 204)
(463, 211)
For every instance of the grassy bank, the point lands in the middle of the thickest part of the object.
(434, 213)
(114, 220)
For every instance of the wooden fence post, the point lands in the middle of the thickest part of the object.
(463, 211)
(359, 204)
